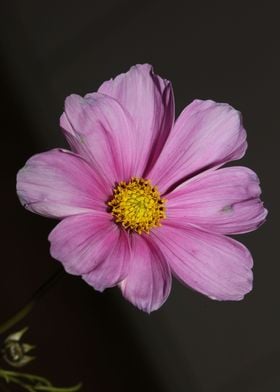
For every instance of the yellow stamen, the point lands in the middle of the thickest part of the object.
(137, 205)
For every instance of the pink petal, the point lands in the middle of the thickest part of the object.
(206, 135)
(214, 265)
(58, 183)
(148, 283)
(113, 268)
(93, 246)
(222, 201)
(149, 100)
(67, 128)
(99, 129)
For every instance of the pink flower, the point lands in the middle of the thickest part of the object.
(117, 227)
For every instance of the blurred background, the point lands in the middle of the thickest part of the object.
(226, 51)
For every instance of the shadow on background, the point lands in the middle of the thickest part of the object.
(261, 375)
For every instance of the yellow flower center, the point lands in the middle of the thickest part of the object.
(137, 205)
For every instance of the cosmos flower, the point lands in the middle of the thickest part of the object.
(142, 197)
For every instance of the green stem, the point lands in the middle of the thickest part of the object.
(16, 318)
(9, 374)
(26, 309)
(54, 389)
(33, 383)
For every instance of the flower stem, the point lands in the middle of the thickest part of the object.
(33, 383)
(39, 293)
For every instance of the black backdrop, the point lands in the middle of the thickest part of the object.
(226, 51)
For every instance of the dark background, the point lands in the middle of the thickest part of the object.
(226, 51)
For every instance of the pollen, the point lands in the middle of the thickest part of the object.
(137, 205)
